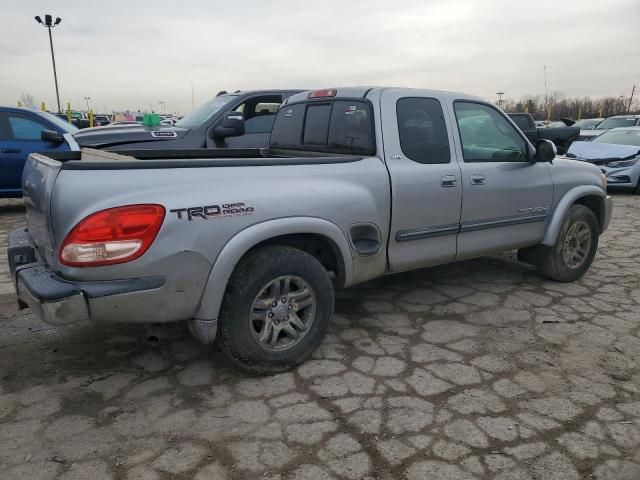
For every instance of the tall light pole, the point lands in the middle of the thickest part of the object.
(161, 103)
(87, 100)
(500, 94)
(49, 24)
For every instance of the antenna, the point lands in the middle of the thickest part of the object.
(193, 104)
(546, 92)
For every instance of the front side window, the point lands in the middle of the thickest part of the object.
(61, 123)
(25, 129)
(259, 113)
(486, 136)
(422, 130)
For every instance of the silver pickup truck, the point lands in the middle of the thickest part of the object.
(247, 246)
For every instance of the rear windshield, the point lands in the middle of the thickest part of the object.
(338, 126)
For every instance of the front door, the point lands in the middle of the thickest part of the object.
(507, 198)
(425, 180)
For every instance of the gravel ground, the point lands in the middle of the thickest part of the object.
(480, 369)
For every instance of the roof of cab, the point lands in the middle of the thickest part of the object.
(362, 92)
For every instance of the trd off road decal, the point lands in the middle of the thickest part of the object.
(213, 211)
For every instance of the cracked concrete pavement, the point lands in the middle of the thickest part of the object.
(475, 370)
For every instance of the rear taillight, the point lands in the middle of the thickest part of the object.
(115, 235)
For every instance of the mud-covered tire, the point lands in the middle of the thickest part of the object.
(239, 337)
(554, 262)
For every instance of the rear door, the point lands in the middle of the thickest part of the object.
(507, 198)
(425, 179)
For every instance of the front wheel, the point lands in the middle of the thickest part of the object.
(575, 247)
(276, 310)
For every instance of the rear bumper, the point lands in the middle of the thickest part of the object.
(58, 301)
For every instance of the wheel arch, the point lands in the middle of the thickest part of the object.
(320, 238)
(590, 196)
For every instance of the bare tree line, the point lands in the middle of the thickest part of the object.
(559, 106)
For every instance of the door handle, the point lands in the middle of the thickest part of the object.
(448, 181)
(477, 179)
(10, 150)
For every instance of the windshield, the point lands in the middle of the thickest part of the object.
(617, 122)
(60, 123)
(586, 123)
(204, 112)
(620, 137)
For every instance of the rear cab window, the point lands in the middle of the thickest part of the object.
(341, 126)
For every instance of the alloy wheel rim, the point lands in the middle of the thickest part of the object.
(577, 244)
(282, 313)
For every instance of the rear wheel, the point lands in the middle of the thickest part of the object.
(276, 310)
(575, 247)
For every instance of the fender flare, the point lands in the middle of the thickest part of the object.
(568, 199)
(248, 238)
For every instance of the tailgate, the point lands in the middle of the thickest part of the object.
(39, 175)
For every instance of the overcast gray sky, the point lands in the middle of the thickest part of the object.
(132, 54)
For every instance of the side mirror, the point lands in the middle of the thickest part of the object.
(546, 151)
(51, 136)
(232, 126)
